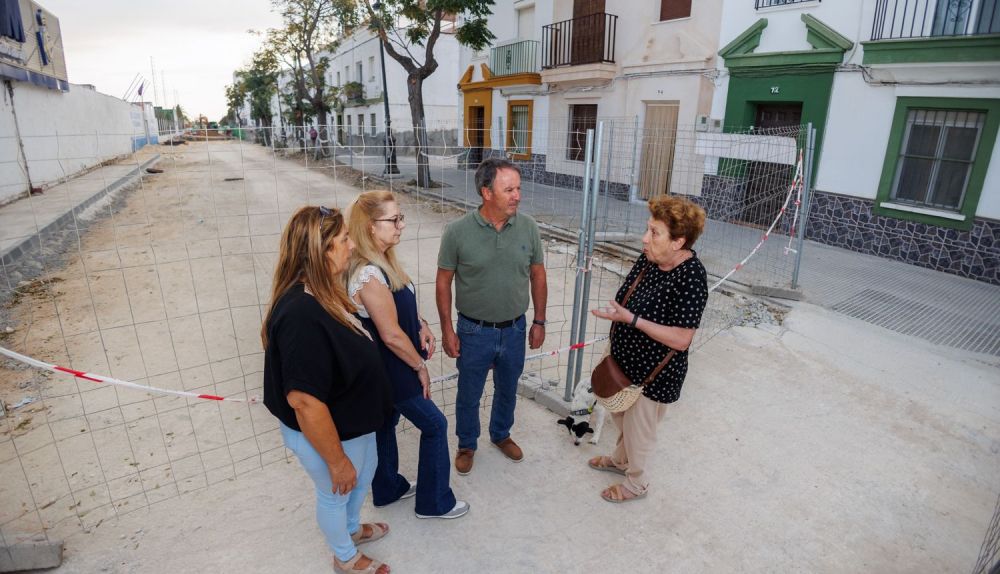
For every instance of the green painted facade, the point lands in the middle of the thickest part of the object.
(812, 90)
(804, 76)
(984, 48)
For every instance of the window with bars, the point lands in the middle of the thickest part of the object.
(582, 117)
(374, 126)
(519, 128)
(361, 124)
(936, 157)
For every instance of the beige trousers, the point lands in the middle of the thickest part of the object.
(636, 441)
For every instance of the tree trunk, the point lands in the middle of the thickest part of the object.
(415, 85)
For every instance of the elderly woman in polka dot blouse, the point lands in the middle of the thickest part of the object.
(661, 315)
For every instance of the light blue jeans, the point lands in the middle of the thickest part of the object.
(338, 515)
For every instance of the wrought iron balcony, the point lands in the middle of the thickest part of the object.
(515, 58)
(935, 18)
(758, 4)
(585, 40)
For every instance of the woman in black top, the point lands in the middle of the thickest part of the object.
(324, 380)
(661, 315)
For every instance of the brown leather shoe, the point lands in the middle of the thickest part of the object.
(463, 460)
(510, 449)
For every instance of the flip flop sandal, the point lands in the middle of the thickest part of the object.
(348, 567)
(619, 489)
(378, 530)
(605, 467)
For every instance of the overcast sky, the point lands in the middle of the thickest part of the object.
(196, 44)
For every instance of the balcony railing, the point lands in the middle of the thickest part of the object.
(516, 58)
(758, 4)
(935, 18)
(585, 40)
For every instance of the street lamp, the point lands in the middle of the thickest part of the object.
(390, 142)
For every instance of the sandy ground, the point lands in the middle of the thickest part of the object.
(825, 446)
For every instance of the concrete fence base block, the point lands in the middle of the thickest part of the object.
(31, 556)
(549, 394)
(793, 295)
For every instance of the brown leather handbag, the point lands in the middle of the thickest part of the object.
(608, 379)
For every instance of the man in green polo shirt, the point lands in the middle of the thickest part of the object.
(494, 255)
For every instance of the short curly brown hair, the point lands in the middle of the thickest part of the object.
(683, 217)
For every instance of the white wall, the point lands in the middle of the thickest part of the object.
(63, 133)
(438, 90)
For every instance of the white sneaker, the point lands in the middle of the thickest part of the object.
(460, 510)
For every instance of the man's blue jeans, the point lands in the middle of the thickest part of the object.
(483, 348)
(434, 495)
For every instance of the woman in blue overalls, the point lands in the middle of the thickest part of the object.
(387, 305)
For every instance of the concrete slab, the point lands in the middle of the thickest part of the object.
(30, 556)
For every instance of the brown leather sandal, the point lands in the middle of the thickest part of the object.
(604, 463)
(374, 567)
(618, 494)
(376, 531)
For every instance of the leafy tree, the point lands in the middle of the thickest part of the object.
(236, 96)
(412, 45)
(259, 83)
(309, 33)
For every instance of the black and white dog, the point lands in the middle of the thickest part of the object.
(584, 403)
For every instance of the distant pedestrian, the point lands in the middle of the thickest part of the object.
(387, 304)
(313, 135)
(494, 256)
(667, 291)
(324, 380)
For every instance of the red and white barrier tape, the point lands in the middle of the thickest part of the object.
(254, 399)
(118, 382)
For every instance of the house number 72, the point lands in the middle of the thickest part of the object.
(775, 89)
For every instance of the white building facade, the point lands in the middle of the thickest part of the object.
(356, 71)
(905, 100)
(559, 66)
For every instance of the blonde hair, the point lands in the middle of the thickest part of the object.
(366, 208)
(302, 258)
(683, 217)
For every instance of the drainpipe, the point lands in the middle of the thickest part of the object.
(17, 130)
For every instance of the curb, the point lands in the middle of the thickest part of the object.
(18, 250)
(30, 556)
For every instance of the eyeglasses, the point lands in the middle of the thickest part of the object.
(397, 220)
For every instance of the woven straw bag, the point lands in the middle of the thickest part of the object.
(622, 400)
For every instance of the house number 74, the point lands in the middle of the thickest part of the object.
(775, 89)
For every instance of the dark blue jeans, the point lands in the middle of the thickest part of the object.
(434, 495)
(482, 348)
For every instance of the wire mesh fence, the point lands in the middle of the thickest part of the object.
(156, 269)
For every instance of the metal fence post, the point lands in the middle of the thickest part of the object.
(633, 188)
(591, 230)
(580, 257)
(806, 197)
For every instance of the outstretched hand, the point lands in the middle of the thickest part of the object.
(614, 312)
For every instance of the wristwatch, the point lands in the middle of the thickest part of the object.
(538, 322)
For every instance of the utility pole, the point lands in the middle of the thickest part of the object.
(390, 143)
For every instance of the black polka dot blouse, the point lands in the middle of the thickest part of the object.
(676, 298)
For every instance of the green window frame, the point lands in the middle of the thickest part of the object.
(963, 217)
